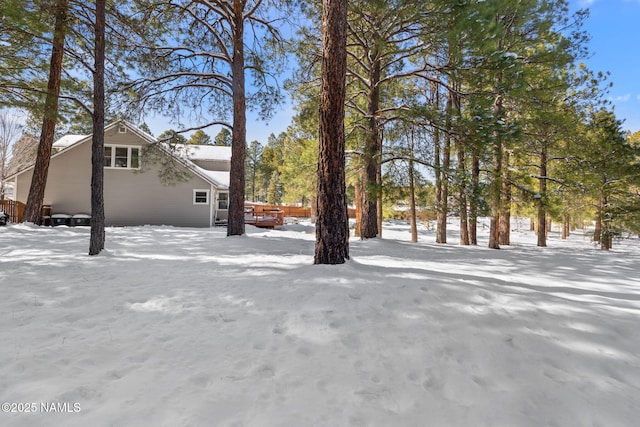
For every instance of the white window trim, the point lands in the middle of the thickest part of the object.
(113, 156)
(207, 192)
(218, 201)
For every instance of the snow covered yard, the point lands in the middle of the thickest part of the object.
(186, 327)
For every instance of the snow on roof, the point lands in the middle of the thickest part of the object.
(68, 140)
(221, 178)
(208, 152)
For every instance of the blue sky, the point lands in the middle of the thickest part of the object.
(614, 26)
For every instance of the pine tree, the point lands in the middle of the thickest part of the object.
(332, 225)
(170, 136)
(223, 138)
(199, 137)
(252, 167)
(97, 239)
(609, 167)
(205, 58)
(33, 208)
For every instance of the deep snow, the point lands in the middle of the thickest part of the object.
(187, 327)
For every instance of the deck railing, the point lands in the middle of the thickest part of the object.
(264, 218)
(291, 211)
(14, 209)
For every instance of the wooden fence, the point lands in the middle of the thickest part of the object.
(14, 209)
(291, 211)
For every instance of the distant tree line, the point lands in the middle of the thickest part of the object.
(469, 108)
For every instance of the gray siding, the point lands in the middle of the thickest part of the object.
(213, 165)
(131, 197)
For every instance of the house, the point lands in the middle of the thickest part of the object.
(145, 182)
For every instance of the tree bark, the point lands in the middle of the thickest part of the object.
(505, 208)
(443, 205)
(412, 197)
(496, 182)
(473, 203)
(359, 201)
(235, 225)
(97, 239)
(462, 198)
(369, 226)
(605, 234)
(542, 190)
(332, 225)
(542, 225)
(597, 232)
(565, 226)
(33, 208)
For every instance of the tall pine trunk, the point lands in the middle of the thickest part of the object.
(235, 225)
(33, 208)
(566, 225)
(597, 232)
(96, 242)
(369, 226)
(462, 198)
(332, 225)
(461, 174)
(443, 205)
(505, 209)
(495, 190)
(379, 185)
(542, 190)
(412, 195)
(473, 203)
(359, 201)
(606, 235)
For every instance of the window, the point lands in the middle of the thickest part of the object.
(121, 157)
(122, 128)
(107, 157)
(200, 197)
(223, 201)
(135, 158)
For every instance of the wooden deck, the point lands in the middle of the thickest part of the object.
(264, 218)
(292, 211)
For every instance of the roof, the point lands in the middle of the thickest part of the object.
(205, 152)
(68, 140)
(195, 152)
(221, 178)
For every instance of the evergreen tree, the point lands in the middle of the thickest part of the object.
(33, 208)
(200, 60)
(170, 136)
(609, 166)
(199, 137)
(274, 194)
(298, 171)
(145, 128)
(96, 242)
(252, 167)
(223, 138)
(332, 225)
